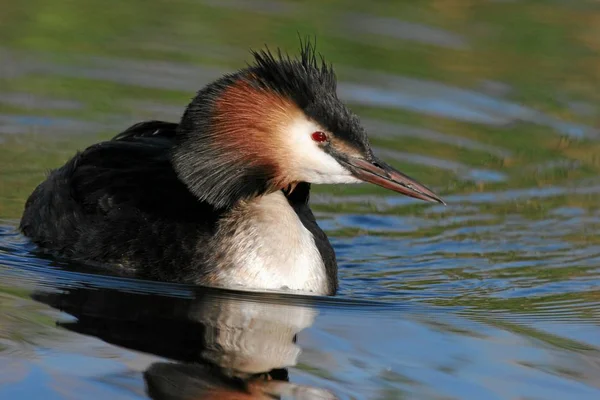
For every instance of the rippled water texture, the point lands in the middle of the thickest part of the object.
(493, 104)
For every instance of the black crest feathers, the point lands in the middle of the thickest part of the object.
(300, 79)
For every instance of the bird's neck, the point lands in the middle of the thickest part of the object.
(263, 244)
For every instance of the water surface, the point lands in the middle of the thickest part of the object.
(496, 296)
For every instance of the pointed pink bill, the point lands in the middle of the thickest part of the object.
(384, 175)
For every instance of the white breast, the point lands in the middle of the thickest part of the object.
(264, 245)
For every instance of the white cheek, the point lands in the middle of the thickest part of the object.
(308, 162)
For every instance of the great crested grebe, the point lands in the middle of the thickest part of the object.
(220, 199)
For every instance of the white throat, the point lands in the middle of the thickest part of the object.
(262, 244)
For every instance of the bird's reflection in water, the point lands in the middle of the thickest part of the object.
(222, 345)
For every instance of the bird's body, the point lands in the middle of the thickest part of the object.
(120, 202)
(215, 200)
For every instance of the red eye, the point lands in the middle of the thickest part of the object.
(319, 136)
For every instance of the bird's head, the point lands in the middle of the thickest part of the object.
(275, 124)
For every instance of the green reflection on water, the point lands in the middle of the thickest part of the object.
(545, 58)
